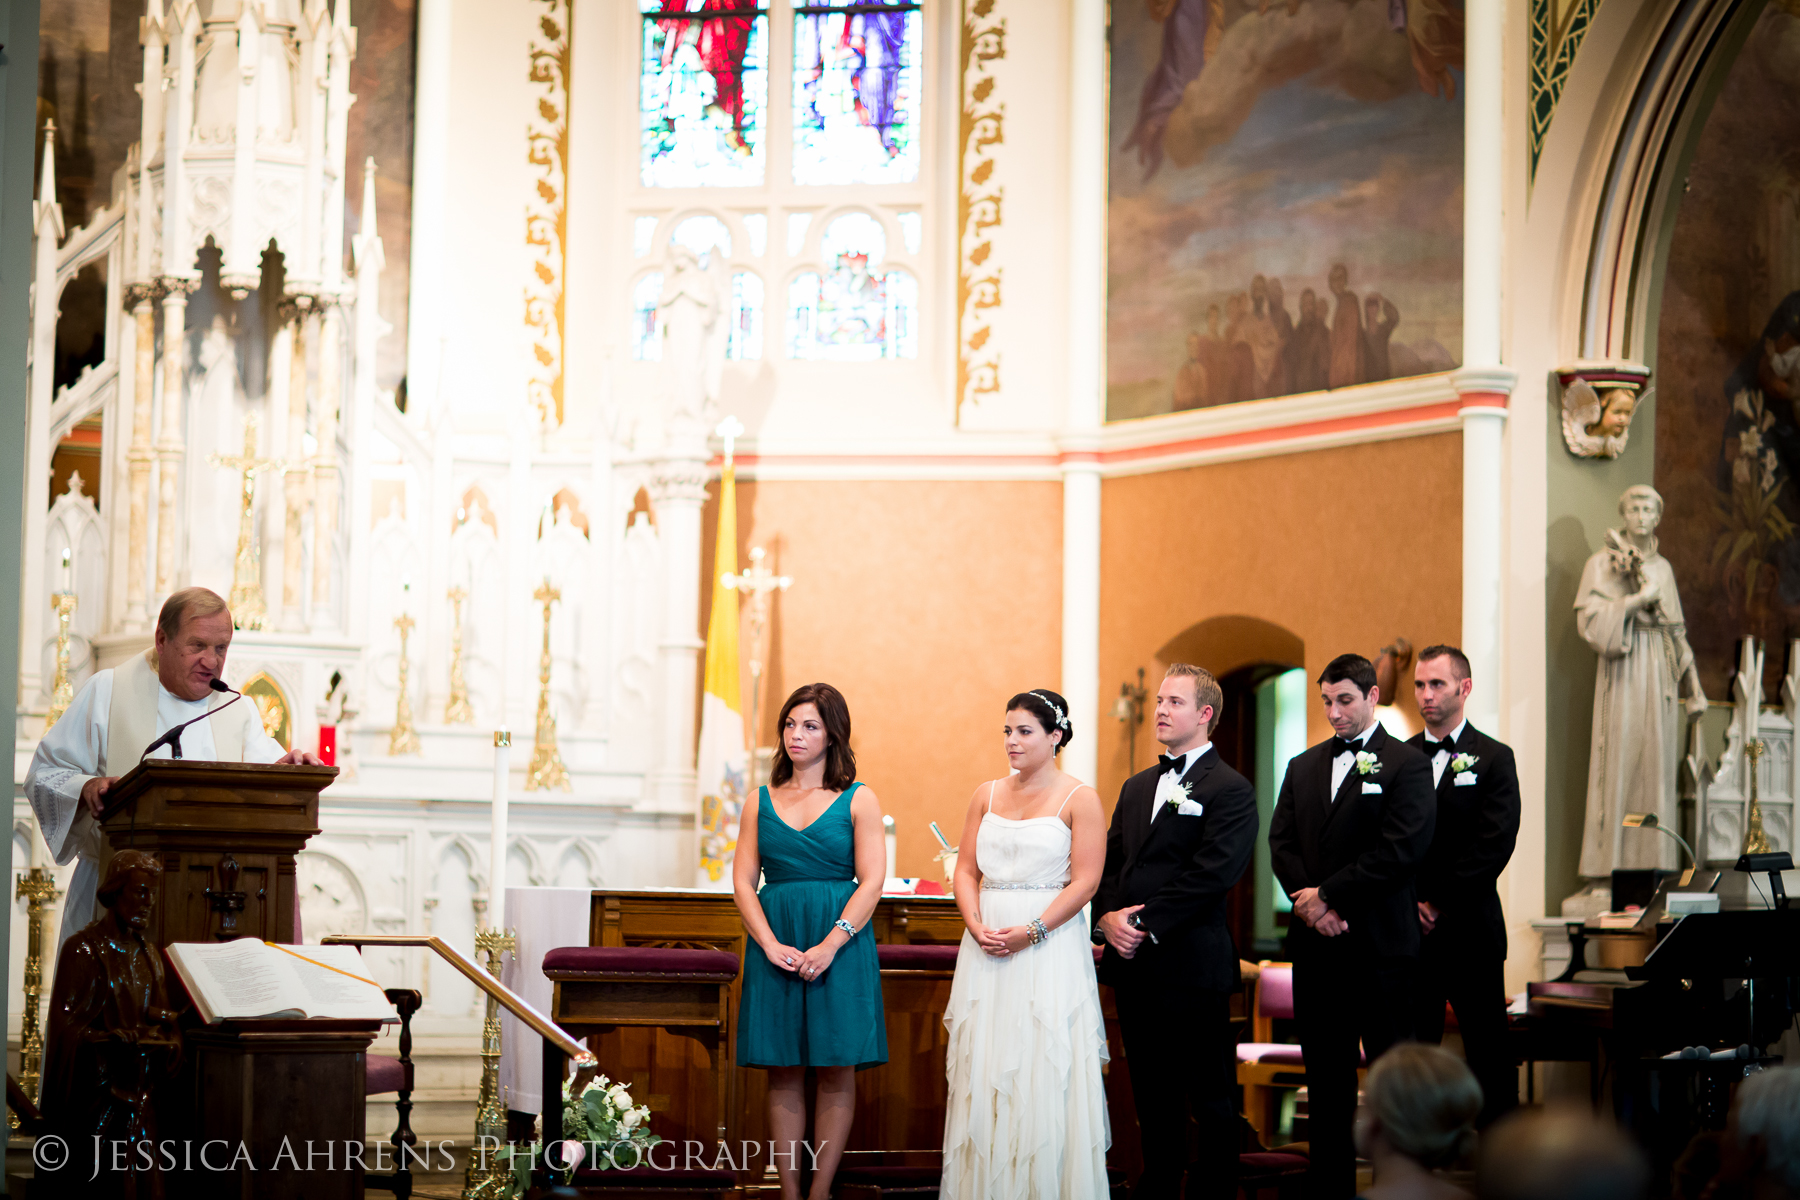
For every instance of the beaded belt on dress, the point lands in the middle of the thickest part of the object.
(1022, 887)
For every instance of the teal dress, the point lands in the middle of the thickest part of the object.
(837, 1020)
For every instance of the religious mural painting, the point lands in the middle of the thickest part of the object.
(1285, 209)
(1727, 358)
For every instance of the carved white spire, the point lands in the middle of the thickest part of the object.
(46, 212)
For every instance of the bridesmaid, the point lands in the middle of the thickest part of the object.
(812, 983)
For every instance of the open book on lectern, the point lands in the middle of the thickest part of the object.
(252, 980)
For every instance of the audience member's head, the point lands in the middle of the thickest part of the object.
(1559, 1154)
(1765, 1130)
(1421, 1102)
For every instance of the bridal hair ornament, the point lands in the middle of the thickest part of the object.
(1061, 719)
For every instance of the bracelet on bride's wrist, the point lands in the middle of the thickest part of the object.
(1036, 928)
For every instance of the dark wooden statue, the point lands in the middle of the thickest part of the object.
(112, 1039)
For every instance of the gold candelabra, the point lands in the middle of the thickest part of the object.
(1755, 840)
(404, 739)
(486, 1176)
(248, 609)
(38, 888)
(547, 770)
(457, 711)
(62, 688)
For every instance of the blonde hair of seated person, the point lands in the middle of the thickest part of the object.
(1418, 1115)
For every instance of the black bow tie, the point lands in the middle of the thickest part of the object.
(1172, 762)
(1448, 746)
(1345, 746)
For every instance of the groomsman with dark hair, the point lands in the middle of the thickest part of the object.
(1350, 828)
(1463, 956)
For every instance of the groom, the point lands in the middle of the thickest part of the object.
(1182, 834)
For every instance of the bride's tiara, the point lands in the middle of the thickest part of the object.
(1061, 719)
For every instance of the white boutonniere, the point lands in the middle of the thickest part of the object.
(1367, 763)
(1463, 762)
(1178, 794)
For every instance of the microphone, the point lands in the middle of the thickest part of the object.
(172, 739)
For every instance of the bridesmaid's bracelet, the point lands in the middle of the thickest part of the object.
(846, 926)
(1037, 930)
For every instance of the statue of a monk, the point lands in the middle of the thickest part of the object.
(120, 711)
(111, 1037)
(1628, 611)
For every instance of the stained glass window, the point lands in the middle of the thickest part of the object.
(853, 311)
(643, 236)
(856, 92)
(703, 235)
(798, 223)
(703, 91)
(646, 338)
(756, 225)
(746, 338)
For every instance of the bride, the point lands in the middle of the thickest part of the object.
(1027, 1112)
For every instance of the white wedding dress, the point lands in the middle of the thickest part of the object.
(1027, 1108)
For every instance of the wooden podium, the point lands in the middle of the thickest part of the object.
(226, 835)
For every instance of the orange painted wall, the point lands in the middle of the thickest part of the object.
(928, 604)
(1346, 549)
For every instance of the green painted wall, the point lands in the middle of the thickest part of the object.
(1583, 496)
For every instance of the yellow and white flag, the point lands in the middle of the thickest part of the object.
(723, 759)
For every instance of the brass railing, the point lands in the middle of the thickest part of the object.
(508, 999)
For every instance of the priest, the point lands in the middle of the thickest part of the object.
(121, 711)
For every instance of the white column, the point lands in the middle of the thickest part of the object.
(34, 604)
(427, 314)
(169, 445)
(1484, 384)
(1086, 408)
(290, 351)
(139, 456)
(678, 490)
(325, 465)
(242, 266)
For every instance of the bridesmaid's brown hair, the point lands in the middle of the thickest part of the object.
(840, 760)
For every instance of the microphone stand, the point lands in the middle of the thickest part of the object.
(172, 739)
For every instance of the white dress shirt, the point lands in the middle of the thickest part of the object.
(1441, 759)
(1340, 766)
(1167, 782)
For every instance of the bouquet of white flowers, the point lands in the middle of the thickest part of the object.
(602, 1130)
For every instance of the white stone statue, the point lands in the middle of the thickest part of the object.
(693, 313)
(1628, 611)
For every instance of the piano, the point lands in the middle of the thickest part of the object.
(1725, 981)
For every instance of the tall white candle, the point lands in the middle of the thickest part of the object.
(497, 865)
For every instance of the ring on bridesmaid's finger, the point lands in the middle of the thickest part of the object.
(788, 961)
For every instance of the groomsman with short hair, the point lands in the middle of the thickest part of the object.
(1351, 825)
(1463, 956)
(1182, 835)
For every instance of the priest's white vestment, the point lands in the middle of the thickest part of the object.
(113, 717)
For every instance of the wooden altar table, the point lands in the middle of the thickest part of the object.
(900, 1106)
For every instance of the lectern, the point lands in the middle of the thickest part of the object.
(226, 835)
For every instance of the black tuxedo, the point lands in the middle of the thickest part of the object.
(1463, 957)
(1361, 847)
(1174, 993)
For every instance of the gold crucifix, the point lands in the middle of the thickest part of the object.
(248, 610)
(757, 584)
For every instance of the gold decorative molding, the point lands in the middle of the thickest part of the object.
(547, 213)
(981, 127)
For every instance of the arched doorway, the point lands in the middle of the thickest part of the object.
(1257, 664)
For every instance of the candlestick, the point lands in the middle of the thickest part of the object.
(496, 912)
